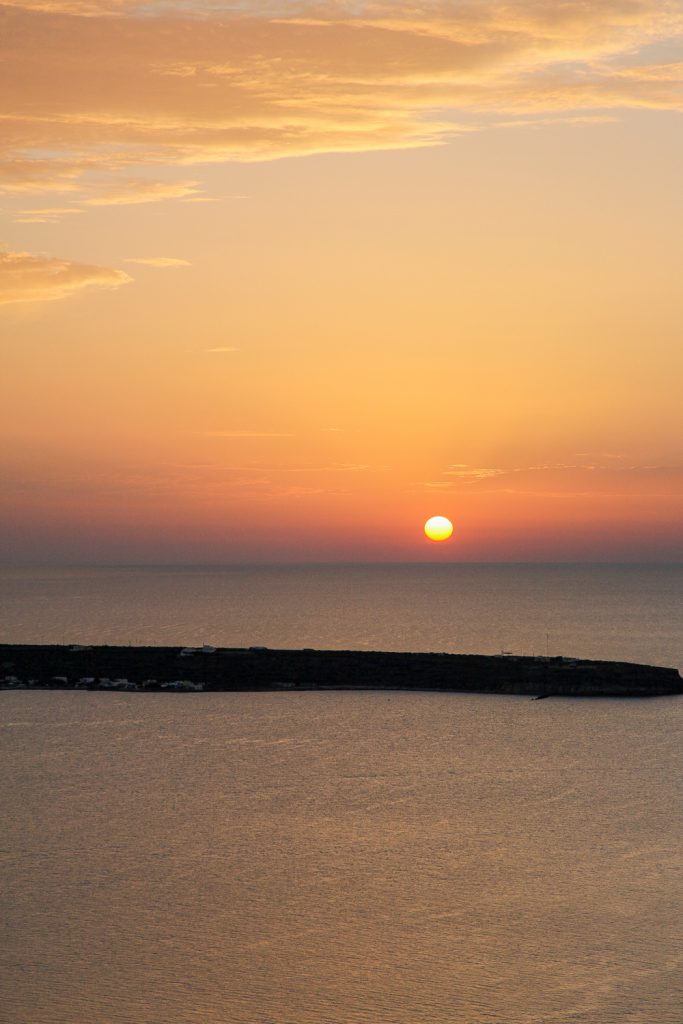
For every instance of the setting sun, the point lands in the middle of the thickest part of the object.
(438, 528)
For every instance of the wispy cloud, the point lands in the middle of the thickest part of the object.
(34, 174)
(25, 277)
(131, 193)
(45, 214)
(158, 261)
(267, 80)
(339, 467)
(245, 433)
(608, 477)
(464, 472)
(220, 348)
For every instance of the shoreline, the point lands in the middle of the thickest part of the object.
(254, 669)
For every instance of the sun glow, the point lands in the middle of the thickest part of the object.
(438, 528)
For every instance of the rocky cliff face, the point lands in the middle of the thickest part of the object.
(157, 668)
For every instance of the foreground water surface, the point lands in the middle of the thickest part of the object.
(343, 858)
(366, 858)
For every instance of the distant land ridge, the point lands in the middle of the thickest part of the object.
(151, 669)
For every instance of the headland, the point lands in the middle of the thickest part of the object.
(175, 669)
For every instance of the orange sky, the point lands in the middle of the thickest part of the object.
(280, 281)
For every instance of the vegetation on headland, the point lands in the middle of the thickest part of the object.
(148, 669)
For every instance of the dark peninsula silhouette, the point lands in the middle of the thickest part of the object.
(148, 669)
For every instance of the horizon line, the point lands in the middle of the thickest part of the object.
(332, 564)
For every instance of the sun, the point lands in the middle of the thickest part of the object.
(438, 528)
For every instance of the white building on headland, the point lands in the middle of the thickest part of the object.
(180, 685)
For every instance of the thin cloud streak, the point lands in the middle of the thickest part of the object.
(241, 434)
(25, 277)
(45, 215)
(557, 479)
(135, 192)
(157, 261)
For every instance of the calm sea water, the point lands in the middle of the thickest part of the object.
(332, 858)
(630, 613)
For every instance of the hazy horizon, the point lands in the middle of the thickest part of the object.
(435, 562)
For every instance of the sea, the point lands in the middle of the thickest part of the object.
(343, 858)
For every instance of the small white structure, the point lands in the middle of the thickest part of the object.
(182, 685)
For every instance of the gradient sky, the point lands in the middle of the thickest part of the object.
(281, 280)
